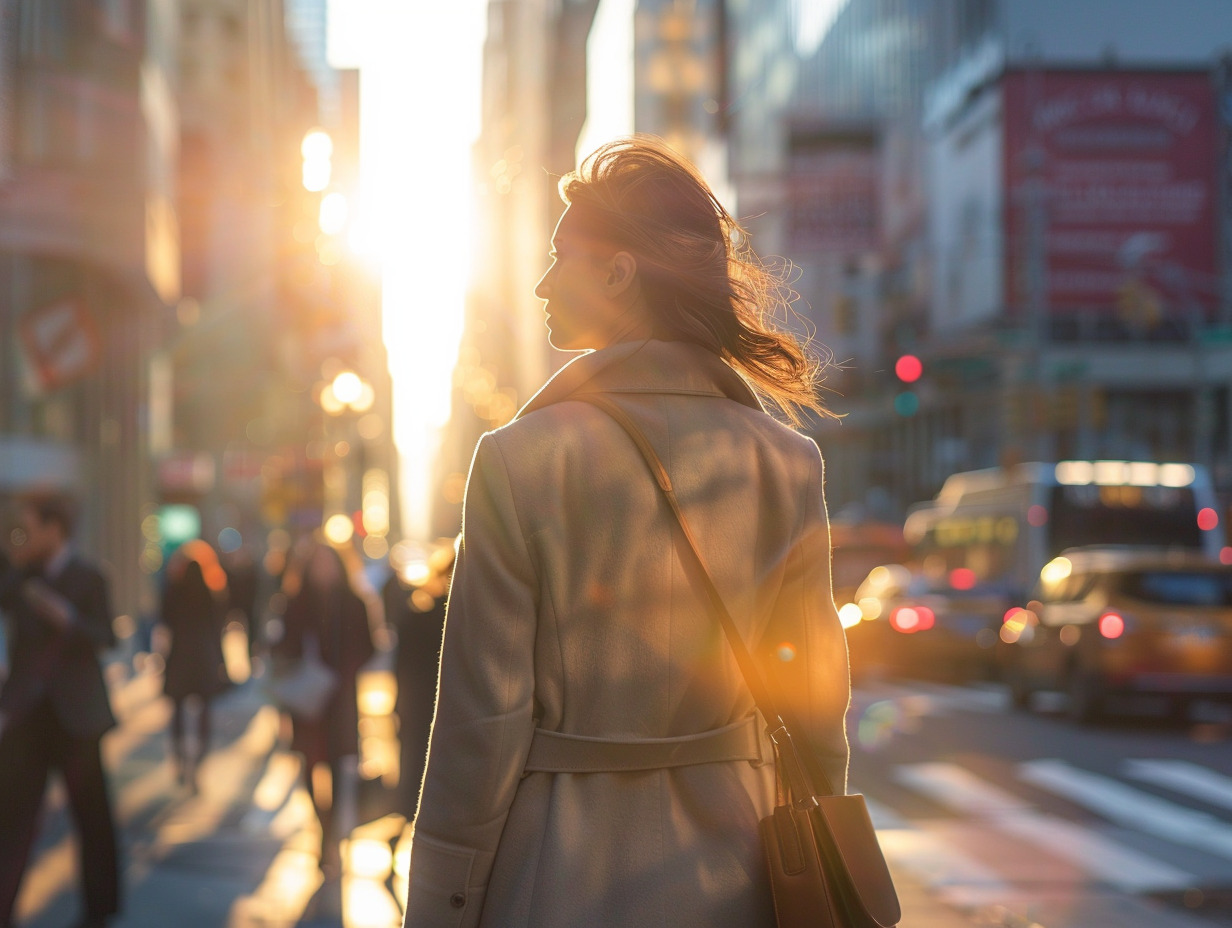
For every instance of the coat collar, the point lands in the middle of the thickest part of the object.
(649, 366)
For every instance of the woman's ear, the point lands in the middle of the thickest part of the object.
(621, 273)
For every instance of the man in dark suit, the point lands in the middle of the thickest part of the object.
(54, 706)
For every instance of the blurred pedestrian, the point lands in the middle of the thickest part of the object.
(54, 707)
(192, 611)
(243, 580)
(416, 612)
(326, 614)
(575, 622)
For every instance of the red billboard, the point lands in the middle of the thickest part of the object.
(1112, 177)
(832, 189)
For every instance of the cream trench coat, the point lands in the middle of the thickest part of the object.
(570, 611)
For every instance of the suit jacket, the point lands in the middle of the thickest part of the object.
(61, 666)
(572, 610)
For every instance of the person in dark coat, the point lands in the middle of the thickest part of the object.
(417, 615)
(326, 613)
(53, 706)
(243, 580)
(192, 610)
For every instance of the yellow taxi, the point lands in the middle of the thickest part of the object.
(909, 624)
(1108, 625)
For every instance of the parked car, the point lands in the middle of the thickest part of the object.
(915, 625)
(1107, 624)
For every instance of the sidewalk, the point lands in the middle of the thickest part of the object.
(241, 852)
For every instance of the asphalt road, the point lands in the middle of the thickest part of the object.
(1028, 819)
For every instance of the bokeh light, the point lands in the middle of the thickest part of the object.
(1056, 570)
(850, 615)
(347, 387)
(338, 529)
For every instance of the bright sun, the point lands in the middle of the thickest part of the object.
(421, 67)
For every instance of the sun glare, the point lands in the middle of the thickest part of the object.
(420, 73)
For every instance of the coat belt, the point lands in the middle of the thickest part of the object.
(557, 752)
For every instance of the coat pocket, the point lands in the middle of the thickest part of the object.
(440, 893)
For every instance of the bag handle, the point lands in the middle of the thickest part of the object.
(784, 746)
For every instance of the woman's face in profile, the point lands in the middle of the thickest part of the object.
(580, 312)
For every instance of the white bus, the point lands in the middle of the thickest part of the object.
(998, 527)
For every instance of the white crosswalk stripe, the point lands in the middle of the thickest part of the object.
(1131, 807)
(1156, 825)
(1184, 777)
(1101, 857)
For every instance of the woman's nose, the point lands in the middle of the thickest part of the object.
(542, 289)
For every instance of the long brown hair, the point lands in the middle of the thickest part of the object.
(700, 275)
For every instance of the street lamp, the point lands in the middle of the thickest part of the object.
(350, 392)
(347, 391)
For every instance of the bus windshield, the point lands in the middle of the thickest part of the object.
(1122, 515)
(1180, 587)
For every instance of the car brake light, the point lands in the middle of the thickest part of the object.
(1111, 625)
(962, 578)
(911, 619)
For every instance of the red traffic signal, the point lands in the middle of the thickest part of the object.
(908, 368)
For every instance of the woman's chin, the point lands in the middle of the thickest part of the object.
(562, 341)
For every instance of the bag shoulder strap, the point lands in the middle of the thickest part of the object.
(776, 727)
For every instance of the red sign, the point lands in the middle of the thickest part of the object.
(1112, 175)
(832, 185)
(61, 343)
(186, 472)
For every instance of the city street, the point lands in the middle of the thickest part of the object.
(1032, 819)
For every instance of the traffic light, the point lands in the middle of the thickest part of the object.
(908, 368)
(907, 403)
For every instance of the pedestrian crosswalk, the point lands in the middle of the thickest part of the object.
(1101, 857)
(1131, 807)
(1184, 777)
(984, 828)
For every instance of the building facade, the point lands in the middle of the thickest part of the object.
(922, 168)
(89, 247)
(276, 304)
(533, 110)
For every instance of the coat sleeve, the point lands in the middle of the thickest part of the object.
(482, 730)
(805, 648)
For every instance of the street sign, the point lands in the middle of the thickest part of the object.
(60, 342)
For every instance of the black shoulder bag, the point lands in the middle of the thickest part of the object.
(826, 867)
